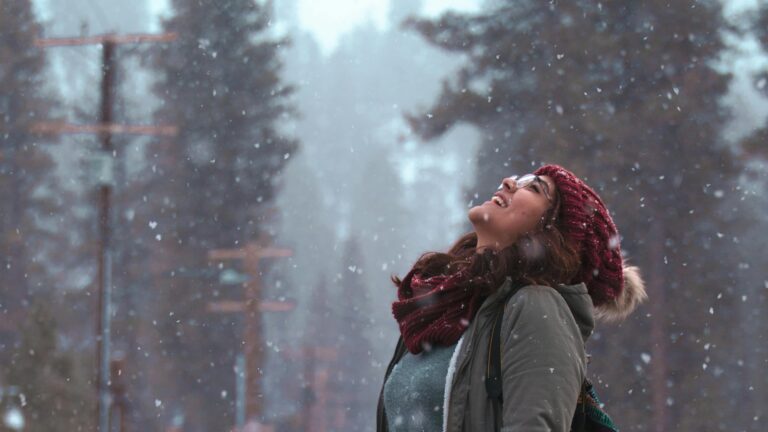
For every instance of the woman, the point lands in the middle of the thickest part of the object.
(544, 248)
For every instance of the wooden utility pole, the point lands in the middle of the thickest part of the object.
(117, 367)
(656, 279)
(105, 129)
(233, 306)
(250, 255)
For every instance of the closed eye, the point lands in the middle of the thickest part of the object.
(539, 186)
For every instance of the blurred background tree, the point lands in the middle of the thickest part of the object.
(27, 187)
(220, 84)
(34, 252)
(52, 383)
(354, 377)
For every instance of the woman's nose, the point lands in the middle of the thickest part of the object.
(509, 183)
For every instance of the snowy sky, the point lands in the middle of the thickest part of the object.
(731, 7)
(328, 20)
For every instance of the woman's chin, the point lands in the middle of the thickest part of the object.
(481, 214)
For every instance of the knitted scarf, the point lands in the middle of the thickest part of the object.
(435, 310)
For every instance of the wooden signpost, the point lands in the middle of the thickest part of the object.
(253, 306)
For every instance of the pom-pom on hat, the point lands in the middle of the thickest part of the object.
(584, 220)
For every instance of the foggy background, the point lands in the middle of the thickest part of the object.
(360, 143)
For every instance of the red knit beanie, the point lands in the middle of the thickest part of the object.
(584, 220)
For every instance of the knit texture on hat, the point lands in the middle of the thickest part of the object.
(586, 223)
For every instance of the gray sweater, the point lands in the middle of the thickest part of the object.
(414, 391)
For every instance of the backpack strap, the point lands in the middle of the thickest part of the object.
(579, 420)
(493, 384)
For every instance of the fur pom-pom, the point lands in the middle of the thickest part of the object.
(631, 296)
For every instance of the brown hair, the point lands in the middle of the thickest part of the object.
(541, 257)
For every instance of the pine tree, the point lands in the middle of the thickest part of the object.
(209, 188)
(751, 346)
(321, 348)
(55, 395)
(354, 377)
(31, 246)
(624, 95)
(755, 143)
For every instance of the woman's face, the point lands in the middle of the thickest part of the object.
(498, 225)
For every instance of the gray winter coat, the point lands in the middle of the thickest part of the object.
(543, 362)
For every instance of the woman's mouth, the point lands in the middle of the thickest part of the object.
(499, 201)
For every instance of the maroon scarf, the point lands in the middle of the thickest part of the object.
(436, 310)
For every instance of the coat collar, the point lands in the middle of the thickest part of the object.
(497, 296)
(576, 297)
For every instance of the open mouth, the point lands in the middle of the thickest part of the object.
(498, 201)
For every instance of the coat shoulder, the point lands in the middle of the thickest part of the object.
(536, 307)
(536, 297)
